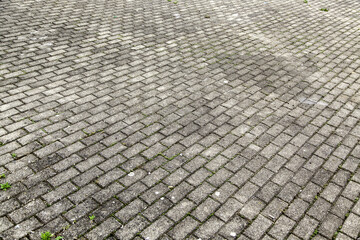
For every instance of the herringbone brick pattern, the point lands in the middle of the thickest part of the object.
(182, 119)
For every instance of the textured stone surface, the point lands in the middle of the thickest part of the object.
(174, 119)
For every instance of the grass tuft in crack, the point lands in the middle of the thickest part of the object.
(5, 186)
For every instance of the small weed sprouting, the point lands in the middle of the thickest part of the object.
(2, 176)
(46, 235)
(14, 155)
(175, 2)
(324, 9)
(92, 217)
(1, 144)
(305, 1)
(169, 0)
(5, 186)
(67, 227)
(315, 233)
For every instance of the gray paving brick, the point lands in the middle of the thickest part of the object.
(351, 226)
(201, 192)
(258, 227)
(53, 211)
(205, 209)
(180, 210)
(132, 228)
(21, 229)
(246, 192)
(5, 224)
(131, 210)
(306, 227)
(330, 225)
(104, 229)
(227, 210)
(80, 210)
(208, 230)
(182, 229)
(157, 209)
(282, 227)
(157, 228)
(252, 208)
(59, 193)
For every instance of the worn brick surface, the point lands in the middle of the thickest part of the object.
(174, 119)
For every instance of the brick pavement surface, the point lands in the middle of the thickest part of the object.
(180, 119)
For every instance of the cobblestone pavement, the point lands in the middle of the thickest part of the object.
(182, 119)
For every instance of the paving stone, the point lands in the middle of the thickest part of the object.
(205, 209)
(268, 191)
(306, 227)
(331, 192)
(132, 228)
(288, 192)
(309, 192)
(53, 211)
(233, 227)
(157, 228)
(241, 177)
(341, 178)
(182, 229)
(27, 210)
(330, 225)
(246, 192)
(130, 210)
(351, 226)
(180, 210)
(80, 227)
(352, 190)
(252, 208)
(157, 209)
(54, 226)
(22, 229)
(224, 192)
(319, 209)
(84, 193)
(104, 229)
(198, 177)
(179, 192)
(59, 192)
(132, 192)
(274, 208)
(200, 193)
(208, 230)
(282, 227)
(107, 193)
(154, 193)
(296, 209)
(154, 177)
(228, 209)
(81, 210)
(342, 236)
(5, 224)
(258, 227)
